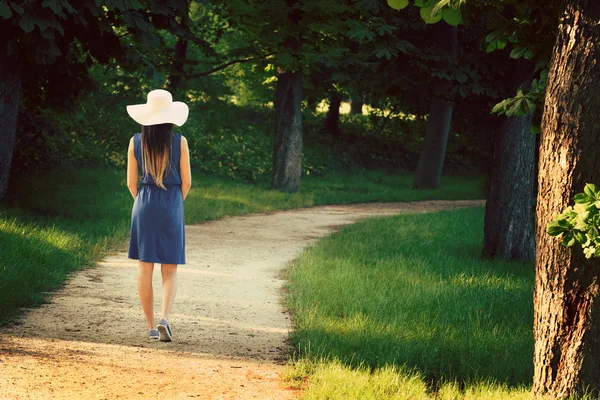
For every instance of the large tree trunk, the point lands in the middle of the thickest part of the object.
(566, 299)
(508, 226)
(431, 161)
(287, 150)
(332, 119)
(10, 90)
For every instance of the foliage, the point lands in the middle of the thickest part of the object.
(524, 103)
(580, 222)
(55, 44)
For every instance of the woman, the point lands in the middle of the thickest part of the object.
(157, 224)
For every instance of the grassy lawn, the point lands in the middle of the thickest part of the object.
(404, 307)
(64, 220)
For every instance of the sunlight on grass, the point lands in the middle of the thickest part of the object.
(412, 292)
(62, 220)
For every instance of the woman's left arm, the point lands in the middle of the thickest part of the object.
(132, 170)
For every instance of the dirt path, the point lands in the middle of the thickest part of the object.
(229, 328)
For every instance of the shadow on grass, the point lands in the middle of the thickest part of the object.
(413, 291)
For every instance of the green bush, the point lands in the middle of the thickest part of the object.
(230, 141)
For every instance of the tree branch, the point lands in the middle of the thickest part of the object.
(227, 64)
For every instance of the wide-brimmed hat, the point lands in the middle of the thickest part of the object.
(159, 109)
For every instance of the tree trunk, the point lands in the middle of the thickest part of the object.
(287, 150)
(312, 103)
(356, 105)
(431, 161)
(332, 120)
(566, 299)
(176, 72)
(10, 90)
(180, 52)
(508, 226)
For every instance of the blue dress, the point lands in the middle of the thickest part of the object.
(157, 220)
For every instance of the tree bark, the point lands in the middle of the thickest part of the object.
(508, 224)
(10, 91)
(566, 298)
(332, 119)
(287, 150)
(431, 160)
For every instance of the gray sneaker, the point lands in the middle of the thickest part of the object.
(165, 331)
(153, 333)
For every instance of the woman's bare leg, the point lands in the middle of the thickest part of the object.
(169, 288)
(145, 270)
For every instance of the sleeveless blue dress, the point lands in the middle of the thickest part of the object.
(157, 219)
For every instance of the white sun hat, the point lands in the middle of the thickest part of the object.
(159, 109)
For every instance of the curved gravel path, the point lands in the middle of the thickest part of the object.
(229, 327)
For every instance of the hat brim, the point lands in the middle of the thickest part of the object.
(177, 114)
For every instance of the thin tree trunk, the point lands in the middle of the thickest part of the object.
(10, 91)
(176, 73)
(431, 160)
(566, 299)
(312, 103)
(356, 104)
(332, 119)
(508, 226)
(287, 150)
(180, 52)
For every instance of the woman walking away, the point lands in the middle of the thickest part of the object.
(157, 225)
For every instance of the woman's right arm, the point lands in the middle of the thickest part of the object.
(185, 168)
(132, 170)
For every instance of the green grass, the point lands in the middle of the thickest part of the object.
(65, 219)
(405, 304)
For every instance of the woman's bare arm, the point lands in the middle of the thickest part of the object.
(184, 168)
(132, 170)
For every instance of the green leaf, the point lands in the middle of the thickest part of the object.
(461, 76)
(27, 22)
(397, 4)
(421, 3)
(563, 222)
(589, 251)
(68, 6)
(528, 54)
(568, 240)
(581, 198)
(580, 236)
(452, 16)
(17, 8)
(427, 17)
(554, 230)
(5, 11)
(518, 52)
(55, 6)
(590, 190)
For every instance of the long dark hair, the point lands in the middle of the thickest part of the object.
(157, 151)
